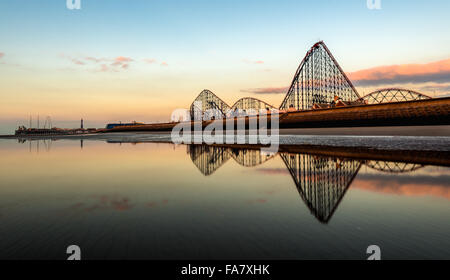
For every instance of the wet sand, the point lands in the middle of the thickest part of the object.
(438, 130)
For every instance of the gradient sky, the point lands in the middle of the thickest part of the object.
(139, 60)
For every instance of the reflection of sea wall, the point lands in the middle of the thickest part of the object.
(321, 181)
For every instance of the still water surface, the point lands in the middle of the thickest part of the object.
(161, 201)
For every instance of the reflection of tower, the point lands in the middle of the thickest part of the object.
(321, 181)
(81, 124)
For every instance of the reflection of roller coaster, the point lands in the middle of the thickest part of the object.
(321, 181)
(319, 80)
(209, 158)
(393, 167)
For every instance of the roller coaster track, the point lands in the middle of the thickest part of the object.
(389, 95)
(318, 80)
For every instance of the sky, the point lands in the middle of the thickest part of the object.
(118, 60)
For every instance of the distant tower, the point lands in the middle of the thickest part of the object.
(81, 123)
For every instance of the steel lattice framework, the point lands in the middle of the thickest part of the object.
(210, 158)
(318, 79)
(389, 95)
(321, 182)
(393, 167)
(250, 158)
(207, 103)
(249, 104)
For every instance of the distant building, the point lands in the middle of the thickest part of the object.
(113, 125)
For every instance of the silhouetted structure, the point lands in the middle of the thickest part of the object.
(318, 83)
(390, 95)
(318, 79)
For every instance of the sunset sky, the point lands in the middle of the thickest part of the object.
(120, 60)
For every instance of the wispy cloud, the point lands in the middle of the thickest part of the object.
(114, 67)
(437, 72)
(2, 54)
(104, 68)
(123, 59)
(79, 62)
(267, 90)
(154, 61)
(102, 64)
(149, 60)
(436, 87)
(107, 64)
(122, 62)
(443, 95)
(94, 59)
(253, 61)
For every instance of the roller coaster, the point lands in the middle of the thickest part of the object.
(319, 79)
(390, 95)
